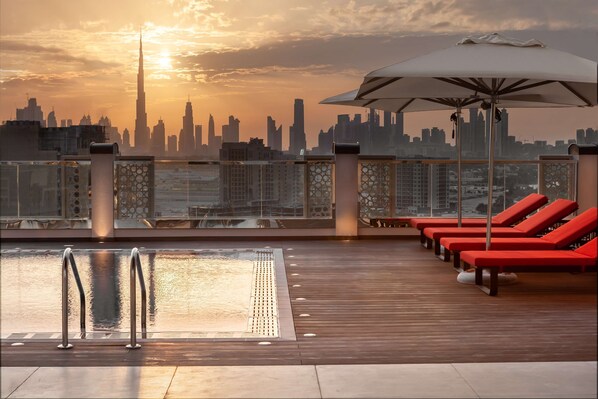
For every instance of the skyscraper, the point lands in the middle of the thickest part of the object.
(297, 131)
(142, 136)
(159, 139)
(502, 132)
(187, 139)
(230, 132)
(32, 112)
(274, 135)
(52, 122)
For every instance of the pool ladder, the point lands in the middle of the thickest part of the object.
(135, 268)
(68, 258)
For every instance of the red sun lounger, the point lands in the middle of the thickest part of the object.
(530, 227)
(508, 217)
(583, 259)
(559, 238)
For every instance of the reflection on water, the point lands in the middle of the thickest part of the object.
(200, 292)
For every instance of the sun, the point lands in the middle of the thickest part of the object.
(164, 60)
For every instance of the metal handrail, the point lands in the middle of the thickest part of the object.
(135, 266)
(67, 257)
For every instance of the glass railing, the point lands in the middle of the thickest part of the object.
(390, 188)
(266, 194)
(45, 194)
(205, 194)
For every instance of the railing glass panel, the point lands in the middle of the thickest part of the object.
(45, 194)
(428, 187)
(207, 194)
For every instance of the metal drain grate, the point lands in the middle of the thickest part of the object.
(263, 318)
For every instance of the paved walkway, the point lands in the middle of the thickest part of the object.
(463, 380)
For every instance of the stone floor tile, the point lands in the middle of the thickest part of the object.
(392, 381)
(531, 380)
(245, 382)
(12, 377)
(97, 382)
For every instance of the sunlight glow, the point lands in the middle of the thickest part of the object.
(164, 60)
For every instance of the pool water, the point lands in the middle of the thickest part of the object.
(190, 293)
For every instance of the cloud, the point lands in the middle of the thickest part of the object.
(54, 54)
(440, 16)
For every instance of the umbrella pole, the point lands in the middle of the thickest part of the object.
(459, 199)
(490, 172)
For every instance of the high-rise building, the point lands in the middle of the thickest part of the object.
(126, 139)
(85, 121)
(159, 139)
(591, 136)
(230, 132)
(142, 136)
(32, 112)
(274, 135)
(21, 140)
(187, 136)
(297, 141)
(502, 132)
(213, 147)
(172, 145)
(52, 122)
(198, 138)
(580, 136)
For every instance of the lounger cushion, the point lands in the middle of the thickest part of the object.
(590, 249)
(436, 233)
(458, 244)
(586, 255)
(546, 217)
(526, 258)
(559, 238)
(422, 223)
(576, 228)
(509, 216)
(519, 210)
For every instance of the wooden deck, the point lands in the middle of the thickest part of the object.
(377, 301)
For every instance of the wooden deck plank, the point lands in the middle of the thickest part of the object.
(378, 301)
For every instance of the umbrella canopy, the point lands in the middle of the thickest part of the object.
(524, 74)
(486, 70)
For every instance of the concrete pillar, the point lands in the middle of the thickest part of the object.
(102, 190)
(346, 158)
(587, 174)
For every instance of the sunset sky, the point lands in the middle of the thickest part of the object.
(251, 58)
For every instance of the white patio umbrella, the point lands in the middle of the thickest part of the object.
(492, 69)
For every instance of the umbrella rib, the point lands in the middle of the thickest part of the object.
(463, 83)
(386, 83)
(529, 86)
(480, 82)
(369, 102)
(405, 105)
(572, 90)
(512, 85)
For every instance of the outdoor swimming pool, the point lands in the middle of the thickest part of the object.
(190, 294)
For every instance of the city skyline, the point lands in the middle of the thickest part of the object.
(253, 61)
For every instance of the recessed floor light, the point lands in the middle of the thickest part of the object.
(264, 343)
(294, 274)
(296, 285)
(300, 299)
(293, 264)
(17, 344)
(304, 315)
(309, 335)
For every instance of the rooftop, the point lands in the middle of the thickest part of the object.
(383, 301)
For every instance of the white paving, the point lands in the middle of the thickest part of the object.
(463, 380)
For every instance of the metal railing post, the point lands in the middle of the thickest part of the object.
(67, 257)
(135, 266)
